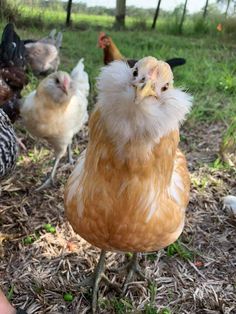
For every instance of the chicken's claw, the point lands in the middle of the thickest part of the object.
(133, 268)
(48, 183)
(95, 279)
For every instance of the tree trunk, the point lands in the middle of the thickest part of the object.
(69, 6)
(156, 14)
(227, 8)
(120, 14)
(205, 9)
(183, 17)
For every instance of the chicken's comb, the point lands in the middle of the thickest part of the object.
(164, 70)
(102, 35)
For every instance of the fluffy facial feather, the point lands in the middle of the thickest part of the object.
(58, 86)
(158, 112)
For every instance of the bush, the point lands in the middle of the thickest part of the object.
(230, 26)
(139, 24)
(200, 26)
(9, 11)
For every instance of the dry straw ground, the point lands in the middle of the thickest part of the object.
(40, 273)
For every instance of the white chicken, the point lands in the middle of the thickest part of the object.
(57, 110)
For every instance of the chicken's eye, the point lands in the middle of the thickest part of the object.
(164, 88)
(135, 73)
(57, 81)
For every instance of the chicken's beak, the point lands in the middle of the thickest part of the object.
(64, 89)
(145, 90)
(65, 86)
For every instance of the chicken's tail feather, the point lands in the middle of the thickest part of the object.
(80, 76)
(174, 62)
(58, 40)
(12, 49)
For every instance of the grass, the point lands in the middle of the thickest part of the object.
(180, 250)
(209, 74)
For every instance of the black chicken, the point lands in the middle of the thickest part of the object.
(12, 65)
(12, 80)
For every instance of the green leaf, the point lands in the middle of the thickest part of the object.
(68, 297)
(10, 293)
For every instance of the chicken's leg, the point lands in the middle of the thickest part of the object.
(69, 155)
(133, 267)
(96, 278)
(50, 180)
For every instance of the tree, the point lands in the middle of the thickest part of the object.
(69, 6)
(156, 14)
(183, 17)
(227, 5)
(120, 13)
(205, 9)
(227, 8)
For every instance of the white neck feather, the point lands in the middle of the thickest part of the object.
(147, 121)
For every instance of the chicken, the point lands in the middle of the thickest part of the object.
(50, 39)
(8, 145)
(230, 203)
(42, 58)
(130, 188)
(227, 150)
(8, 157)
(57, 110)
(43, 55)
(53, 39)
(12, 65)
(12, 73)
(111, 53)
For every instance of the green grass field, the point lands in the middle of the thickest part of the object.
(209, 74)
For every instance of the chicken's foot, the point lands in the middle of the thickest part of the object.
(133, 268)
(21, 144)
(50, 181)
(94, 280)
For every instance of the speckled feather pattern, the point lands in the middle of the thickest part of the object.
(127, 206)
(130, 188)
(8, 145)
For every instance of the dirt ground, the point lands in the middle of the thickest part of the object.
(40, 272)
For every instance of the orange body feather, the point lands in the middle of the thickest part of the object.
(135, 204)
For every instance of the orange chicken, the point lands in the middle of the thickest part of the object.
(111, 53)
(130, 188)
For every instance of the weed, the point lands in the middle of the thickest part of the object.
(200, 183)
(121, 306)
(49, 228)
(153, 291)
(68, 297)
(10, 293)
(164, 311)
(150, 309)
(152, 257)
(180, 250)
